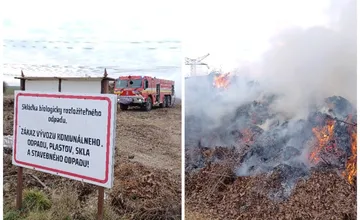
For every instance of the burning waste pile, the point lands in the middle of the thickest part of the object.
(265, 140)
(251, 139)
(278, 138)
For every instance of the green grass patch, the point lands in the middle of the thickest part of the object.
(35, 200)
(12, 215)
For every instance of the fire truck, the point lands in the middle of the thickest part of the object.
(144, 92)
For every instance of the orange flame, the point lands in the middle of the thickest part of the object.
(221, 81)
(323, 137)
(351, 169)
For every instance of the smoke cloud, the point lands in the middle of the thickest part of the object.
(302, 68)
(307, 65)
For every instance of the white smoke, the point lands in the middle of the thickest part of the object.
(303, 66)
(308, 65)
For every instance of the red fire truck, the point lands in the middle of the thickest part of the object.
(144, 91)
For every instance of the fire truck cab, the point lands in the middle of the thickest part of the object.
(144, 91)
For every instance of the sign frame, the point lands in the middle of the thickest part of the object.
(110, 136)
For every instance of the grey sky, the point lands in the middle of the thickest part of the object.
(239, 31)
(84, 37)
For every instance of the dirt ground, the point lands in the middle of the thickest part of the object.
(147, 171)
(214, 192)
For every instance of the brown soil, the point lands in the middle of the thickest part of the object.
(214, 192)
(147, 181)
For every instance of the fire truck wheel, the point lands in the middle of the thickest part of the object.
(124, 107)
(148, 105)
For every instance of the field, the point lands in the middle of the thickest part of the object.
(10, 90)
(147, 174)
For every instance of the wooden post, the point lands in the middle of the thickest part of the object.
(105, 84)
(100, 213)
(19, 186)
(22, 82)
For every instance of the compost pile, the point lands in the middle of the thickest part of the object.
(260, 164)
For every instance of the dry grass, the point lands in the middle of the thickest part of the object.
(192, 215)
(141, 193)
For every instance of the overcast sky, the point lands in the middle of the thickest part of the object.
(83, 37)
(234, 31)
(146, 36)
